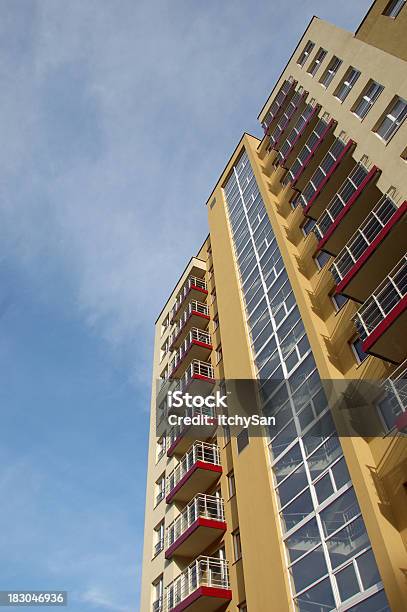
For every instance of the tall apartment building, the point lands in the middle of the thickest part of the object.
(301, 280)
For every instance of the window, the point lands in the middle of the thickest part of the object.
(242, 607)
(338, 300)
(213, 296)
(215, 323)
(237, 547)
(231, 484)
(331, 71)
(305, 54)
(358, 351)
(226, 433)
(160, 489)
(369, 96)
(161, 445)
(393, 118)
(393, 8)
(218, 354)
(164, 350)
(317, 61)
(306, 227)
(158, 590)
(321, 259)
(242, 440)
(158, 538)
(346, 85)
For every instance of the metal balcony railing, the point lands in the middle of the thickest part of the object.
(177, 431)
(277, 102)
(307, 151)
(203, 572)
(363, 238)
(158, 605)
(322, 173)
(383, 300)
(199, 451)
(202, 506)
(349, 187)
(192, 281)
(395, 401)
(195, 335)
(295, 133)
(286, 116)
(193, 306)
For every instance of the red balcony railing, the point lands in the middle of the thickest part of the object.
(380, 313)
(324, 171)
(196, 344)
(196, 286)
(202, 586)
(381, 232)
(342, 203)
(198, 312)
(289, 143)
(285, 118)
(198, 469)
(318, 135)
(198, 526)
(278, 101)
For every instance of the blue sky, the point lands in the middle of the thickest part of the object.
(116, 118)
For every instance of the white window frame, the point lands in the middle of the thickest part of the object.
(305, 53)
(393, 8)
(317, 61)
(369, 96)
(331, 71)
(347, 83)
(396, 120)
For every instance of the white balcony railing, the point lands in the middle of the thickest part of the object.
(394, 403)
(348, 188)
(363, 238)
(202, 506)
(192, 281)
(306, 152)
(277, 102)
(383, 300)
(199, 451)
(286, 116)
(320, 175)
(204, 571)
(193, 306)
(195, 335)
(295, 133)
(176, 431)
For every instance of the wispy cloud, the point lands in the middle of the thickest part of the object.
(99, 599)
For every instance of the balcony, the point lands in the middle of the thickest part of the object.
(393, 405)
(381, 321)
(198, 470)
(195, 315)
(180, 437)
(318, 135)
(347, 209)
(202, 587)
(196, 346)
(277, 133)
(309, 199)
(296, 133)
(287, 87)
(372, 251)
(195, 289)
(199, 525)
(199, 378)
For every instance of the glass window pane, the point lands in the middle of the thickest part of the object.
(318, 433)
(347, 582)
(283, 439)
(324, 456)
(368, 569)
(303, 540)
(348, 542)
(309, 569)
(324, 488)
(340, 473)
(288, 463)
(339, 512)
(317, 599)
(297, 510)
(293, 485)
(375, 603)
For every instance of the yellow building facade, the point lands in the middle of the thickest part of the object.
(300, 285)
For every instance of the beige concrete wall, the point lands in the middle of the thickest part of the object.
(384, 32)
